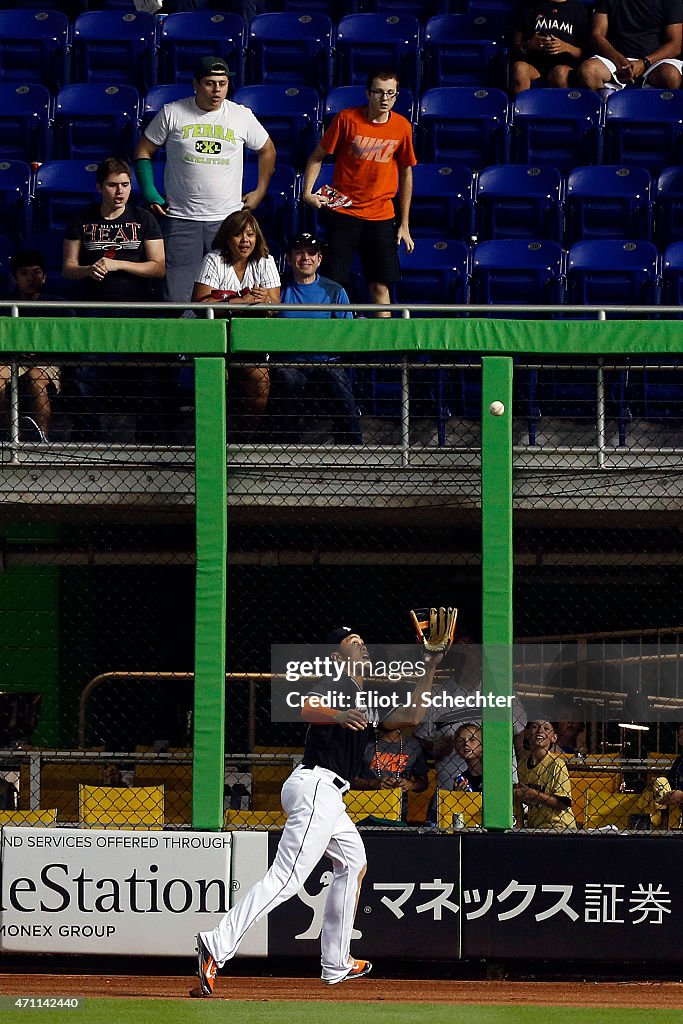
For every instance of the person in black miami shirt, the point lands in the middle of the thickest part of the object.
(548, 43)
(114, 248)
(635, 42)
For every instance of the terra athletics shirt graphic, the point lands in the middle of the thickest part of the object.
(204, 156)
(122, 238)
(367, 159)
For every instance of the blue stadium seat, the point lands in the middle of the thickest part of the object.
(290, 115)
(369, 41)
(519, 201)
(62, 189)
(155, 99)
(434, 272)
(458, 50)
(344, 96)
(560, 127)
(291, 49)
(572, 394)
(24, 121)
(442, 202)
(608, 202)
(503, 10)
(33, 47)
(15, 187)
(669, 206)
(93, 121)
(277, 214)
(611, 272)
(516, 272)
(460, 124)
(186, 38)
(114, 47)
(644, 128)
(672, 275)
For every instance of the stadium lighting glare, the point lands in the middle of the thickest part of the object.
(634, 726)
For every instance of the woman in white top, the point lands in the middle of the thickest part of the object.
(238, 272)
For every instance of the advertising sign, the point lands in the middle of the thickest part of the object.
(103, 891)
(571, 897)
(408, 908)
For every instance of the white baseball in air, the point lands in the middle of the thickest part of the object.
(496, 408)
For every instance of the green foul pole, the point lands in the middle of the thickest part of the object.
(210, 594)
(497, 568)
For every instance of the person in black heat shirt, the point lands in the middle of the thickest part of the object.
(548, 43)
(317, 821)
(114, 248)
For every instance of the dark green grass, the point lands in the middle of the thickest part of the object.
(186, 1011)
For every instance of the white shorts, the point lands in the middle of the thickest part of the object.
(611, 66)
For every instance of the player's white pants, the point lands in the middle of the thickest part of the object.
(317, 825)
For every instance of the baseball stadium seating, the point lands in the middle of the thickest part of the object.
(186, 37)
(451, 802)
(114, 47)
(135, 808)
(291, 49)
(254, 820)
(615, 809)
(42, 818)
(374, 803)
(610, 201)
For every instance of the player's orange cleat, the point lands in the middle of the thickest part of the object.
(206, 968)
(359, 968)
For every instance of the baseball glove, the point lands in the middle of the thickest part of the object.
(435, 628)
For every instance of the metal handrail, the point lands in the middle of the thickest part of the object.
(356, 307)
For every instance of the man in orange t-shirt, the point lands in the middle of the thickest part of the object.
(374, 160)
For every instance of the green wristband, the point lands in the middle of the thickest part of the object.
(145, 176)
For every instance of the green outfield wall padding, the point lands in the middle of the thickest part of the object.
(120, 334)
(210, 598)
(29, 654)
(533, 337)
(497, 572)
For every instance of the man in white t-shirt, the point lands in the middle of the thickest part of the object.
(204, 136)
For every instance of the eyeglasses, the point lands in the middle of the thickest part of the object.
(390, 94)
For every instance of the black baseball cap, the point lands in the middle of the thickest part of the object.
(335, 636)
(305, 240)
(210, 66)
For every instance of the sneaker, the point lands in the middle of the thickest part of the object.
(206, 968)
(359, 969)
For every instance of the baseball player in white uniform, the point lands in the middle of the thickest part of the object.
(317, 822)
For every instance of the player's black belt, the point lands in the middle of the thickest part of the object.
(339, 783)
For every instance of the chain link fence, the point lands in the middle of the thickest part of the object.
(597, 567)
(354, 495)
(97, 521)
